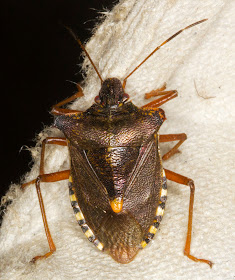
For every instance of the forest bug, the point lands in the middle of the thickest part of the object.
(117, 184)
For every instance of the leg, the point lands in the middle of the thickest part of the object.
(156, 92)
(49, 140)
(57, 110)
(167, 96)
(52, 177)
(172, 137)
(53, 141)
(188, 182)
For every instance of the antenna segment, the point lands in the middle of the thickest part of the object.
(87, 54)
(157, 48)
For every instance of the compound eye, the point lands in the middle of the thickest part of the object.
(97, 99)
(125, 97)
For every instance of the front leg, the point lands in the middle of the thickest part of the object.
(166, 96)
(58, 111)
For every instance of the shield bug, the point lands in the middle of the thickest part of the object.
(117, 184)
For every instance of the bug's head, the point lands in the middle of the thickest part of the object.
(111, 93)
(112, 90)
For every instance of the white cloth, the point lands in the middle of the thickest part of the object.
(198, 63)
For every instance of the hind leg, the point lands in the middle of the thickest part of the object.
(51, 177)
(187, 182)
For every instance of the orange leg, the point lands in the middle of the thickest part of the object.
(172, 137)
(51, 177)
(49, 140)
(156, 92)
(57, 110)
(188, 182)
(167, 96)
(53, 141)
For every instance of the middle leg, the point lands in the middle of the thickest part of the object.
(181, 137)
(49, 140)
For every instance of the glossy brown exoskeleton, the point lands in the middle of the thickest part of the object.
(117, 183)
(115, 168)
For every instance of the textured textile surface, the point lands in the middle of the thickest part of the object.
(198, 63)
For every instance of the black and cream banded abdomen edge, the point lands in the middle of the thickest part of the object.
(80, 218)
(89, 233)
(159, 213)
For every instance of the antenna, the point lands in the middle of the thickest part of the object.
(173, 36)
(83, 48)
